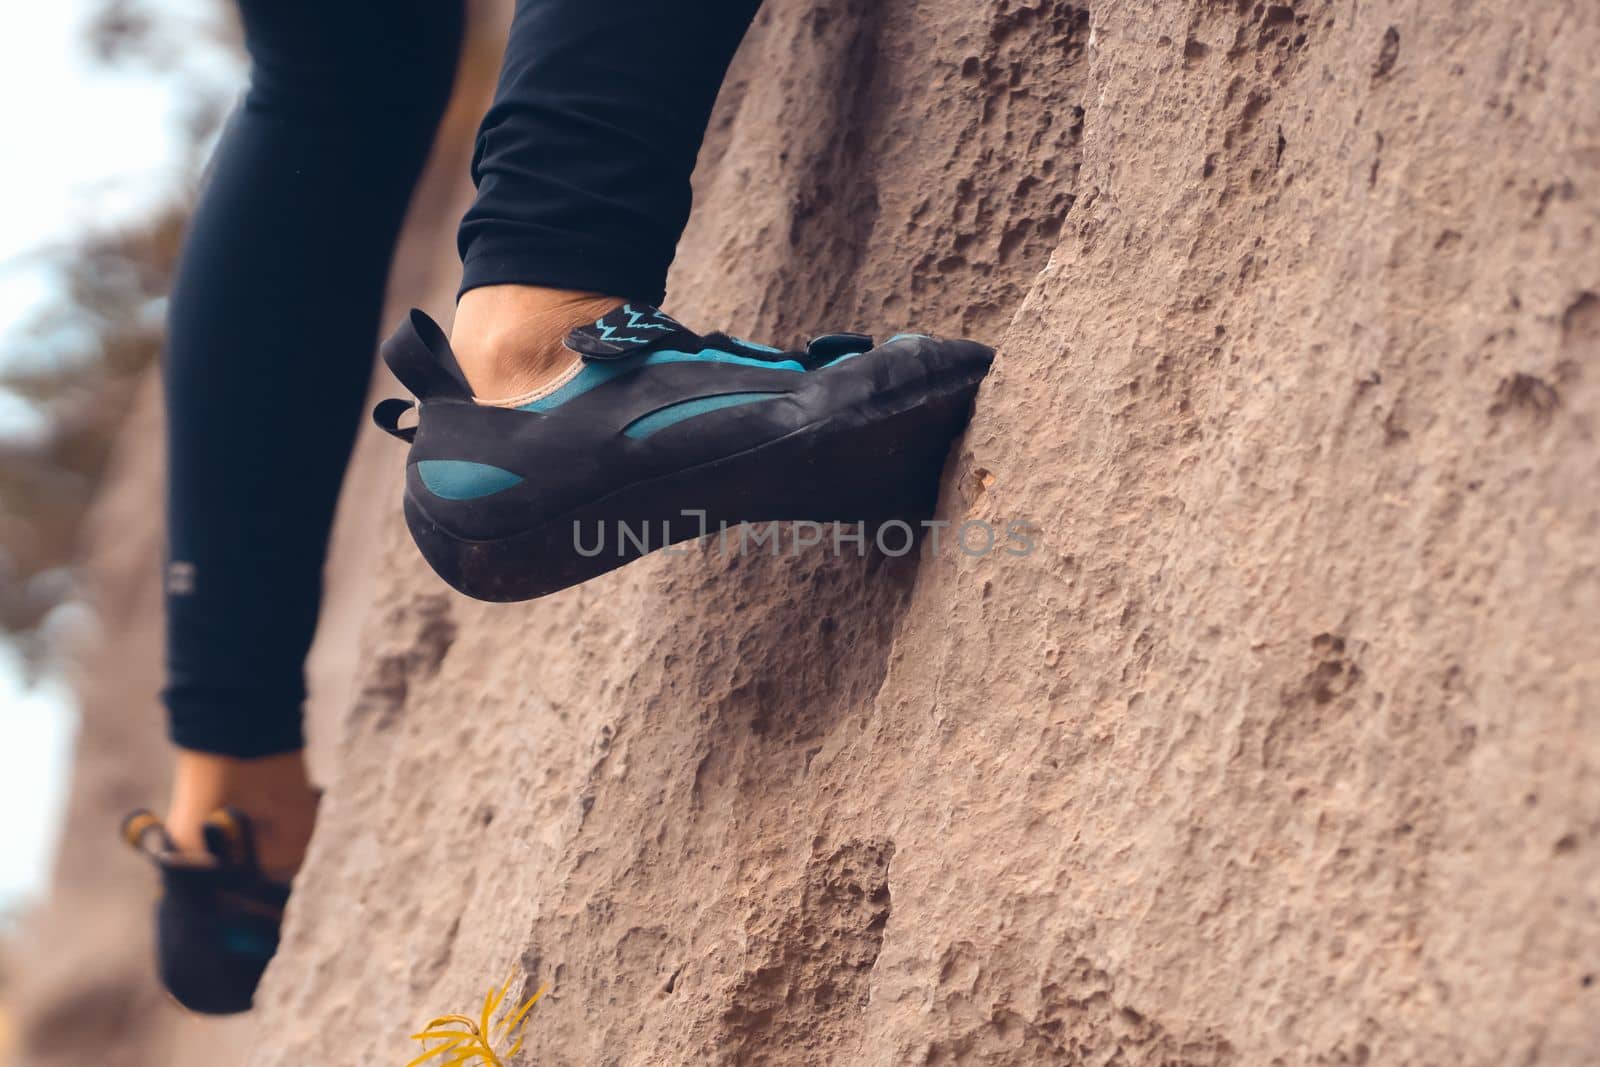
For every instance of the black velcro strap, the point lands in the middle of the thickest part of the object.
(387, 417)
(625, 331)
(229, 836)
(830, 346)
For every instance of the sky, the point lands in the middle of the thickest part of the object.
(85, 148)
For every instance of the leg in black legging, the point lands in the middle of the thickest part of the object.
(273, 318)
(583, 162)
(582, 167)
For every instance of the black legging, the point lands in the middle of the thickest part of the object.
(582, 167)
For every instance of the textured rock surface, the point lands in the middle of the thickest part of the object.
(1282, 744)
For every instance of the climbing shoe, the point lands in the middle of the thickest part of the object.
(660, 435)
(218, 917)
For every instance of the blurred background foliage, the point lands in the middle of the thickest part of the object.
(78, 357)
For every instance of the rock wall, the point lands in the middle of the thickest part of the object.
(1281, 745)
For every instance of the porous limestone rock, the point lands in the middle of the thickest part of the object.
(1280, 746)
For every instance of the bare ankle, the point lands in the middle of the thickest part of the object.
(274, 791)
(508, 338)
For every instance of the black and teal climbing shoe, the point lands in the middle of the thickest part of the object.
(660, 435)
(218, 917)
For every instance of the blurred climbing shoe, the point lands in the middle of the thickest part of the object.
(218, 917)
(660, 435)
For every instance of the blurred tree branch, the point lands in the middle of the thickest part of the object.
(86, 351)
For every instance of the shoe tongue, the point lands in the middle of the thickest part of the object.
(626, 330)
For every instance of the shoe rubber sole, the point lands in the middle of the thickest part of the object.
(872, 464)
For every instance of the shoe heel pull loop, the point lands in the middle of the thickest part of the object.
(144, 833)
(386, 416)
(419, 355)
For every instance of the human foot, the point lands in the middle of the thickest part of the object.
(666, 433)
(274, 791)
(236, 832)
(218, 916)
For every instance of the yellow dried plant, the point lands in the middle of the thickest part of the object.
(470, 1042)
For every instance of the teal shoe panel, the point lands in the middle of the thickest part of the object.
(673, 414)
(460, 479)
